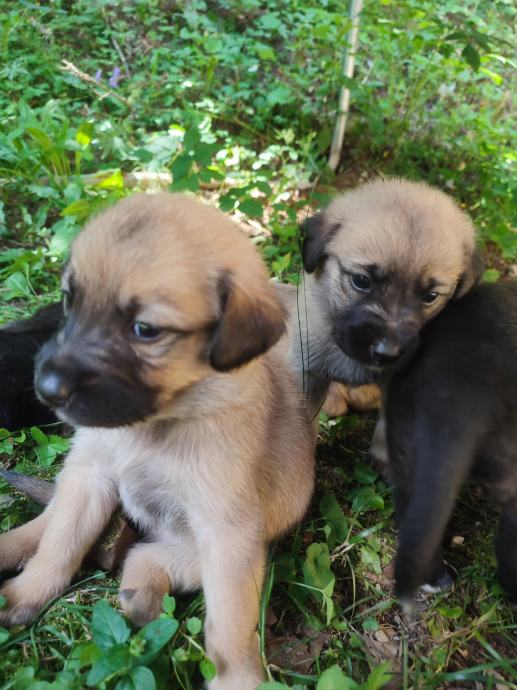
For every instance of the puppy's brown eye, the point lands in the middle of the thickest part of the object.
(360, 282)
(430, 298)
(146, 332)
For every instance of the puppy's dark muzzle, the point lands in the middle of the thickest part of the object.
(56, 384)
(86, 392)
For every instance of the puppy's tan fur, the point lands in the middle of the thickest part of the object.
(225, 462)
(412, 232)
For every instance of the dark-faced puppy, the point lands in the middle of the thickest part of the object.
(185, 415)
(381, 261)
(452, 414)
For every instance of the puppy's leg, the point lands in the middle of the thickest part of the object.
(378, 451)
(154, 569)
(79, 511)
(506, 549)
(232, 567)
(21, 543)
(366, 397)
(441, 464)
(336, 402)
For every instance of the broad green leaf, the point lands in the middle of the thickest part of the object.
(142, 678)
(264, 51)
(114, 181)
(108, 626)
(251, 207)
(333, 678)
(379, 677)
(80, 209)
(156, 634)
(316, 568)
(168, 604)
(23, 678)
(191, 139)
(335, 520)
(471, 55)
(17, 285)
(207, 668)
(114, 660)
(181, 167)
(194, 626)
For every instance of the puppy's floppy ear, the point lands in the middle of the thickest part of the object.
(316, 234)
(249, 325)
(474, 268)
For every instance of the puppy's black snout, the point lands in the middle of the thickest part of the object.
(55, 385)
(385, 351)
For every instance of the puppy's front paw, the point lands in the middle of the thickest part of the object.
(21, 608)
(440, 581)
(142, 604)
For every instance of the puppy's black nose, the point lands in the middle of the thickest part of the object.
(55, 386)
(385, 352)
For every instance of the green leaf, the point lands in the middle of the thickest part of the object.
(194, 626)
(207, 668)
(114, 181)
(156, 634)
(333, 678)
(23, 678)
(80, 209)
(142, 678)
(17, 285)
(108, 626)
(4, 635)
(113, 661)
(379, 677)
(335, 519)
(191, 139)
(181, 166)
(491, 275)
(471, 55)
(282, 94)
(452, 612)
(203, 154)
(316, 568)
(251, 207)
(227, 202)
(371, 559)
(272, 686)
(169, 604)
(264, 51)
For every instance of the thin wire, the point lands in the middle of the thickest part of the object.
(301, 275)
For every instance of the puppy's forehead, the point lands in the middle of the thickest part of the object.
(156, 247)
(397, 223)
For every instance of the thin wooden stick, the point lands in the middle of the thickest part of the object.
(83, 76)
(344, 95)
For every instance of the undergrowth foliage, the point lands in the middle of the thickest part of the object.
(236, 101)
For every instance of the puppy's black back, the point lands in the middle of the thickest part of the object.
(19, 343)
(453, 411)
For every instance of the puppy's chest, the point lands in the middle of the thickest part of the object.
(155, 486)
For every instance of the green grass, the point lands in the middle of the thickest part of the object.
(236, 100)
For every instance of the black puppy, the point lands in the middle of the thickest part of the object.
(450, 415)
(19, 343)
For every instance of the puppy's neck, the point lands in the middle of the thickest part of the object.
(217, 393)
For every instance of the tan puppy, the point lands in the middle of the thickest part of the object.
(381, 261)
(185, 415)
